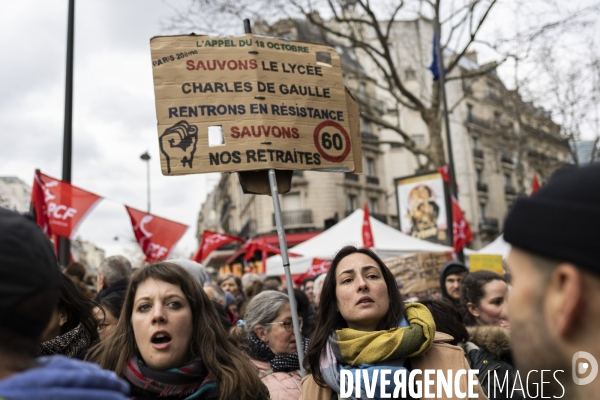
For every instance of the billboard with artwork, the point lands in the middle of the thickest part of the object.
(422, 207)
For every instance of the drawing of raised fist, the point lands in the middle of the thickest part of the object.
(178, 142)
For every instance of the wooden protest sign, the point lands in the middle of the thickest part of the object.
(265, 103)
(419, 271)
(487, 262)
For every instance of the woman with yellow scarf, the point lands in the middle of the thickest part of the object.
(364, 329)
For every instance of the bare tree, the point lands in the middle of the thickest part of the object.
(369, 27)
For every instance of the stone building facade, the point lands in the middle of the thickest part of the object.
(499, 142)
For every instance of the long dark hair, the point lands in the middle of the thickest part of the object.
(235, 375)
(329, 318)
(472, 291)
(79, 309)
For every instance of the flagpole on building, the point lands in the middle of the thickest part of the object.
(442, 78)
(64, 255)
(284, 252)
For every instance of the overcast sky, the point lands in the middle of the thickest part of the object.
(114, 119)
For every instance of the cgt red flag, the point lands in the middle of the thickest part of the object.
(156, 236)
(59, 206)
(536, 184)
(212, 241)
(461, 231)
(367, 234)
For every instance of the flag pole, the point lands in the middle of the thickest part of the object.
(284, 253)
(64, 247)
(442, 78)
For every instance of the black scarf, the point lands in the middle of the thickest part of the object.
(72, 344)
(260, 351)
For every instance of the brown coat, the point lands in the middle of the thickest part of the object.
(441, 356)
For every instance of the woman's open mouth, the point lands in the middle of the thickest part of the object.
(161, 340)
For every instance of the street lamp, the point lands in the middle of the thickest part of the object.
(146, 157)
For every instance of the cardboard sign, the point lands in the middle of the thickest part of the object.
(487, 262)
(251, 103)
(418, 272)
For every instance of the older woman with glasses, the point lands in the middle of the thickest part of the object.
(267, 336)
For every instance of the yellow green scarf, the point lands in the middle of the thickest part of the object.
(358, 347)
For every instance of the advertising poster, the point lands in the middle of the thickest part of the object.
(422, 209)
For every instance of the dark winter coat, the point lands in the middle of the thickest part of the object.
(488, 350)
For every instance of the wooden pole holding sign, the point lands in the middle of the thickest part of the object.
(284, 253)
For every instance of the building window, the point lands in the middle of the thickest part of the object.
(370, 167)
(362, 90)
(507, 180)
(497, 116)
(469, 112)
(290, 202)
(419, 139)
(373, 205)
(490, 91)
(479, 174)
(351, 202)
(483, 210)
(475, 143)
(365, 126)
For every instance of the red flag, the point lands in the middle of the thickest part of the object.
(536, 185)
(59, 206)
(212, 241)
(367, 234)
(156, 236)
(461, 231)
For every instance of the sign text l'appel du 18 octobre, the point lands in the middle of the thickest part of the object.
(275, 103)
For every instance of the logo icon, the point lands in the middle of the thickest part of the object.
(580, 368)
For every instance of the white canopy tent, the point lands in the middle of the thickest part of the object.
(389, 242)
(497, 247)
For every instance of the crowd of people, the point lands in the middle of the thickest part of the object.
(166, 330)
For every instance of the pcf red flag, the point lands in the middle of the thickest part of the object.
(155, 235)
(367, 234)
(212, 241)
(59, 206)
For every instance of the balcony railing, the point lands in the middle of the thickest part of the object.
(295, 218)
(482, 187)
(495, 97)
(488, 225)
(350, 176)
(510, 190)
(478, 153)
(478, 121)
(373, 180)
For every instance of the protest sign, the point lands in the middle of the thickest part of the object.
(487, 262)
(418, 272)
(251, 103)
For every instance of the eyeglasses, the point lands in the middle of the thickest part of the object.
(288, 325)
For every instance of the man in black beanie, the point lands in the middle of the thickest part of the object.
(554, 305)
(451, 277)
(29, 292)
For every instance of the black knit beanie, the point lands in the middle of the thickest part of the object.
(562, 219)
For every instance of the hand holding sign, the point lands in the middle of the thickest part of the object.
(178, 142)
